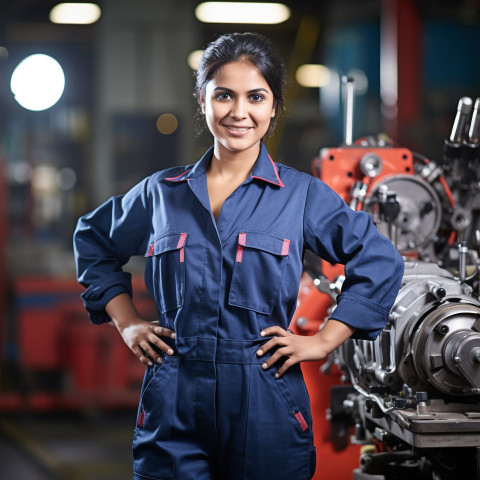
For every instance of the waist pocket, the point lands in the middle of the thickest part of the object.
(152, 452)
(293, 392)
(258, 271)
(167, 254)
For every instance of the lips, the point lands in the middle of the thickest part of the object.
(237, 129)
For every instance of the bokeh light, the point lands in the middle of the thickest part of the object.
(37, 82)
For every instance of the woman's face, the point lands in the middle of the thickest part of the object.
(238, 107)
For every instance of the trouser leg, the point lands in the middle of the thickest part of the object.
(264, 424)
(175, 435)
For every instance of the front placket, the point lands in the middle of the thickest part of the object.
(208, 329)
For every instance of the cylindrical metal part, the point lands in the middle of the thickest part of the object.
(474, 132)
(463, 111)
(462, 259)
(371, 164)
(349, 85)
(437, 290)
(357, 193)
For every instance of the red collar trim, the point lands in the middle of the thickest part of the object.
(278, 182)
(179, 177)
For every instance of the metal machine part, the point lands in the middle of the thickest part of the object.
(474, 132)
(420, 212)
(371, 164)
(419, 381)
(416, 388)
(431, 343)
(463, 111)
(349, 91)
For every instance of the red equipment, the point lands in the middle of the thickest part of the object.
(352, 172)
(62, 361)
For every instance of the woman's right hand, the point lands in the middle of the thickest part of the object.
(140, 336)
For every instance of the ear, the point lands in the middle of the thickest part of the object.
(273, 112)
(202, 104)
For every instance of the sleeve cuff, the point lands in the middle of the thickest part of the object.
(368, 317)
(99, 293)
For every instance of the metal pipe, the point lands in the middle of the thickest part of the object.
(349, 86)
(474, 132)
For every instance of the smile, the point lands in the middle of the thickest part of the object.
(237, 129)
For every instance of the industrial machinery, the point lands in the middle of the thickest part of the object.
(413, 394)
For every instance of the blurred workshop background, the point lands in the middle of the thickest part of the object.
(88, 107)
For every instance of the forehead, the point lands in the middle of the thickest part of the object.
(238, 75)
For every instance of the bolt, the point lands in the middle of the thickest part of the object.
(476, 357)
(421, 396)
(457, 359)
(301, 322)
(442, 329)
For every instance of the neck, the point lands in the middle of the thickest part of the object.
(233, 164)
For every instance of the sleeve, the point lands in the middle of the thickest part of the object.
(373, 266)
(103, 242)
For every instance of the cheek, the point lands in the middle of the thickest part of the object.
(210, 120)
(209, 115)
(215, 113)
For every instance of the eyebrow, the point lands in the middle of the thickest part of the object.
(255, 90)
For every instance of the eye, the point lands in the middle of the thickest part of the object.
(223, 96)
(257, 97)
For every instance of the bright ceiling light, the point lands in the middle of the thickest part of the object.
(242, 12)
(37, 82)
(75, 13)
(313, 75)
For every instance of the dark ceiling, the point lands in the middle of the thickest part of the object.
(37, 11)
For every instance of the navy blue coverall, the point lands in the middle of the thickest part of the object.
(210, 411)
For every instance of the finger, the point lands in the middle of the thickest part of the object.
(140, 354)
(164, 332)
(281, 352)
(287, 364)
(275, 330)
(273, 342)
(151, 353)
(154, 340)
(264, 349)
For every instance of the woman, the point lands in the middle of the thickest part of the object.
(223, 395)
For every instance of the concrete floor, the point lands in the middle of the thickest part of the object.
(66, 447)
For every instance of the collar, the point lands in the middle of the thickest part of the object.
(264, 169)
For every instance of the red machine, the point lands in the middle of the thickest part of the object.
(407, 196)
(354, 171)
(346, 170)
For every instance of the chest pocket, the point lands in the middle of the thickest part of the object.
(258, 271)
(167, 253)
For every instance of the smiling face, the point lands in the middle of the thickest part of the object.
(238, 106)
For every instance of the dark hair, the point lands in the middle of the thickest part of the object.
(248, 47)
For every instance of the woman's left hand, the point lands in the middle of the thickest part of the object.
(301, 348)
(297, 348)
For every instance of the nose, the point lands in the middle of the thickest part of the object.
(239, 109)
